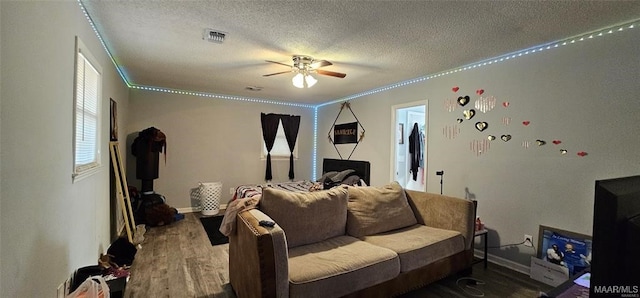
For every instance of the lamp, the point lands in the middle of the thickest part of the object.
(305, 80)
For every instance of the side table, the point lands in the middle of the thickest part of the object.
(482, 234)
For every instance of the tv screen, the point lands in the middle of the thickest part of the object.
(615, 262)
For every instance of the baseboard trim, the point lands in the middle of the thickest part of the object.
(197, 209)
(504, 262)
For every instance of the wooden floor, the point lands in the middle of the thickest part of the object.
(179, 261)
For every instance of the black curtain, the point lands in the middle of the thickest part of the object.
(269, 131)
(291, 124)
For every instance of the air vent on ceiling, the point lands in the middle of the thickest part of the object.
(213, 35)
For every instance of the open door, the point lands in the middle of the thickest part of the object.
(409, 145)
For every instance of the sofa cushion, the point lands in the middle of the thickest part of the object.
(419, 245)
(307, 217)
(338, 266)
(373, 210)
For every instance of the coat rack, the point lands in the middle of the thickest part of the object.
(122, 191)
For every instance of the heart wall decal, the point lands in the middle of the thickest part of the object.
(506, 138)
(541, 142)
(505, 104)
(455, 89)
(526, 123)
(491, 137)
(556, 142)
(459, 120)
(481, 126)
(463, 100)
(468, 114)
(582, 154)
(480, 91)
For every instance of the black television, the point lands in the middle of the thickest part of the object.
(615, 260)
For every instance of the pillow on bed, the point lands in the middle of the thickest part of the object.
(341, 175)
(372, 210)
(353, 180)
(327, 175)
(307, 217)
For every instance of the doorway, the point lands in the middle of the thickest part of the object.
(409, 145)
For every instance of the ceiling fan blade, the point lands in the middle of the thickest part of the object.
(287, 65)
(321, 63)
(331, 73)
(277, 73)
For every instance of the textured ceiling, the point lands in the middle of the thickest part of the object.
(376, 43)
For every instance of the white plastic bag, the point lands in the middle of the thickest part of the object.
(92, 287)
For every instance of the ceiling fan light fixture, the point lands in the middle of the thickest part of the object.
(298, 80)
(310, 81)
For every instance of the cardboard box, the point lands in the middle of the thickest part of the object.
(547, 272)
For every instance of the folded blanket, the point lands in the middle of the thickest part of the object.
(233, 208)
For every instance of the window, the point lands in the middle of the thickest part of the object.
(86, 121)
(280, 147)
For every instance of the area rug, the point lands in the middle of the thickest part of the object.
(211, 225)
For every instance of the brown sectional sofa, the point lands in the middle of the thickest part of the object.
(349, 241)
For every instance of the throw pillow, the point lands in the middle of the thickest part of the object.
(372, 210)
(307, 217)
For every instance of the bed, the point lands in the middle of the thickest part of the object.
(248, 196)
(345, 172)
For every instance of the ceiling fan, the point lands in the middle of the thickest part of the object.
(304, 66)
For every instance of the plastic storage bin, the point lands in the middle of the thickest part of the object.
(209, 194)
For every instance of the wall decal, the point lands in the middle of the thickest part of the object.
(468, 114)
(563, 151)
(455, 89)
(463, 100)
(459, 120)
(451, 131)
(481, 126)
(480, 91)
(491, 137)
(556, 142)
(525, 144)
(506, 120)
(485, 104)
(505, 138)
(480, 146)
(582, 154)
(541, 142)
(450, 105)
(505, 104)
(525, 123)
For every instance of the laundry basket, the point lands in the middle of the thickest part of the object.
(209, 194)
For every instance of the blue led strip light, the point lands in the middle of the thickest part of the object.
(222, 96)
(104, 45)
(540, 48)
(315, 144)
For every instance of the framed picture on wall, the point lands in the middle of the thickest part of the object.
(114, 119)
(400, 133)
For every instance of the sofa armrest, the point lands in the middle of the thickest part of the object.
(444, 212)
(258, 257)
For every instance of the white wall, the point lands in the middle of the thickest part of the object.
(211, 140)
(49, 225)
(584, 94)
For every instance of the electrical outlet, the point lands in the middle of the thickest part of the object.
(528, 240)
